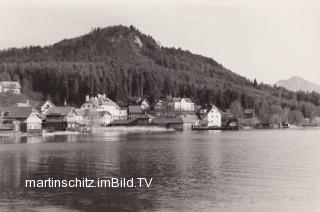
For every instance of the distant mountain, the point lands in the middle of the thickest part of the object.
(299, 84)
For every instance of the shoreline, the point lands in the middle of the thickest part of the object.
(10, 134)
(130, 129)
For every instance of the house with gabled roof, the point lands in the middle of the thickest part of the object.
(46, 106)
(144, 104)
(182, 104)
(24, 119)
(10, 86)
(101, 103)
(210, 116)
(61, 119)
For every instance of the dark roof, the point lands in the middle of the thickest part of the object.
(135, 109)
(18, 112)
(122, 122)
(62, 111)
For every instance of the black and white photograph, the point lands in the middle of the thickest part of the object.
(159, 105)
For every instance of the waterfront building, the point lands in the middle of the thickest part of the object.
(105, 118)
(24, 119)
(10, 86)
(101, 103)
(61, 119)
(177, 123)
(210, 116)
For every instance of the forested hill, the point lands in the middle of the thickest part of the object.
(122, 62)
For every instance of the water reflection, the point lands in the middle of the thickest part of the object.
(200, 171)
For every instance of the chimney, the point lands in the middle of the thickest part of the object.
(104, 95)
(87, 98)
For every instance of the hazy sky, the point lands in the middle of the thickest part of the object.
(264, 39)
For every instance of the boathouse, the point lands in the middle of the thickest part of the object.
(61, 119)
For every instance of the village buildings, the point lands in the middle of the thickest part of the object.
(101, 103)
(175, 113)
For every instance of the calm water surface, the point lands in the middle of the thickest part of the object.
(275, 170)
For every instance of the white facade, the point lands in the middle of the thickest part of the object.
(103, 104)
(183, 104)
(214, 117)
(48, 105)
(105, 119)
(34, 122)
(10, 86)
(145, 105)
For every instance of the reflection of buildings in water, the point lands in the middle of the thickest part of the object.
(61, 138)
(13, 166)
(31, 139)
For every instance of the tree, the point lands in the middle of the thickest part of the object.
(295, 117)
(264, 112)
(255, 83)
(236, 109)
(275, 114)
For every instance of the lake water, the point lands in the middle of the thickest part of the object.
(271, 170)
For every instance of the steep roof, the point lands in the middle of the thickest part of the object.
(106, 101)
(62, 111)
(45, 102)
(19, 112)
(79, 112)
(144, 99)
(187, 100)
(212, 107)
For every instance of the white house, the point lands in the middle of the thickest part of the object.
(10, 86)
(211, 116)
(101, 103)
(45, 107)
(144, 104)
(105, 118)
(182, 104)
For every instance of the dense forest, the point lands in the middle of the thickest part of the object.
(123, 62)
